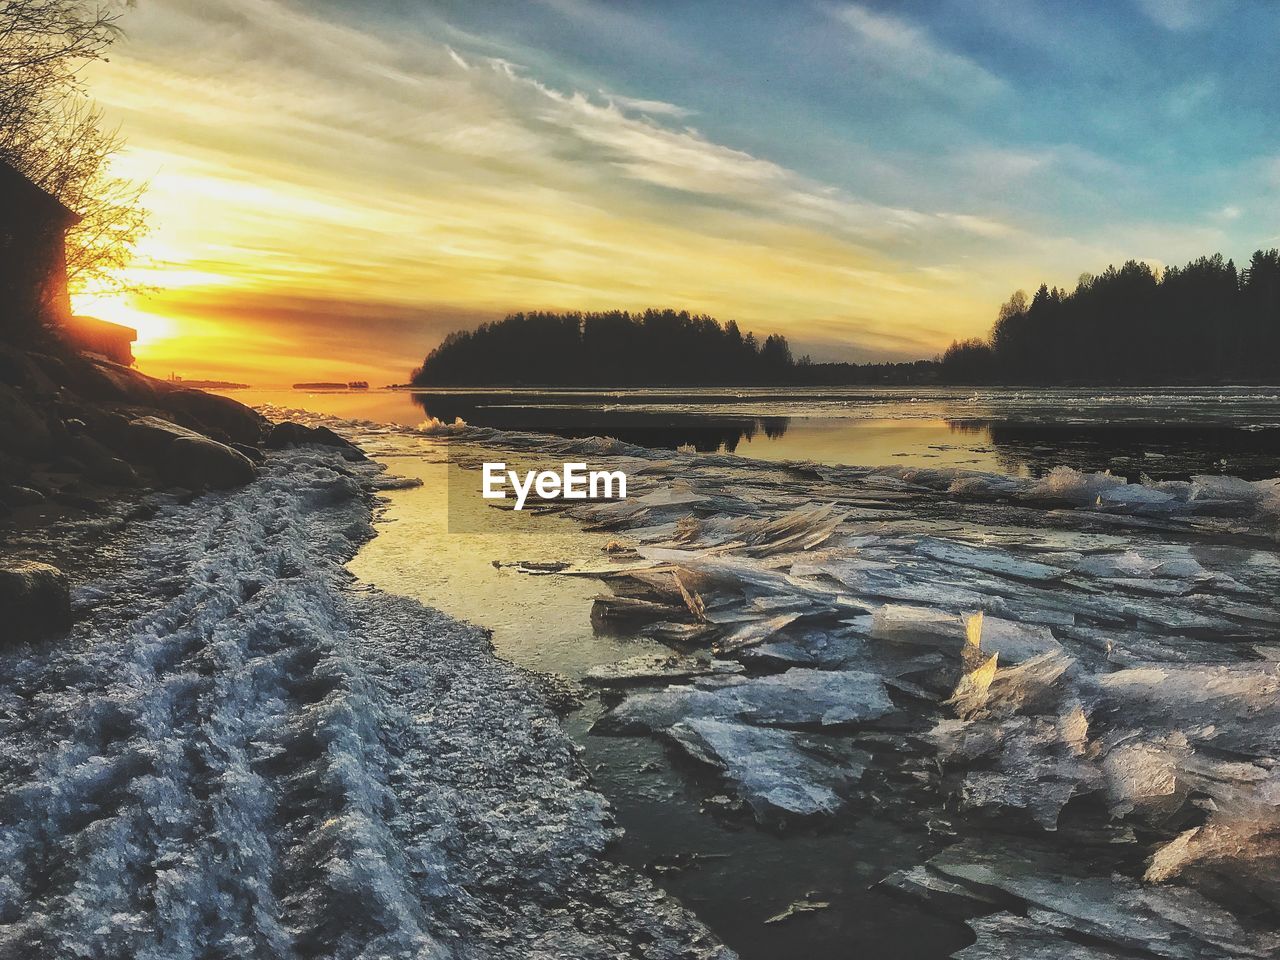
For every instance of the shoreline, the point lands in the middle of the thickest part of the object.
(441, 807)
(256, 616)
(1069, 538)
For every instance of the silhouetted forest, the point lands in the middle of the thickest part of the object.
(1205, 322)
(653, 348)
(614, 348)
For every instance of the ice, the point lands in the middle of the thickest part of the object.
(658, 670)
(433, 427)
(1116, 914)
(772, 770)
(1007, 936)
(927, 626)
(991, 561)
(799, 697)
(1108, 736)
(1016, 642)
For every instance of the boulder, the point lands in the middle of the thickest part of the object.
(17, 495)
(35, 599)
(197, 462)
(288, 434)
(99, 462)
(250, 451)
(219, 414)
(150, 438)
(103, 380)
(19, 368)
(22, 429)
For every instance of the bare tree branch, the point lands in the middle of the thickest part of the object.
(52, 132)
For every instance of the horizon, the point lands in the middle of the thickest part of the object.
(335, 189)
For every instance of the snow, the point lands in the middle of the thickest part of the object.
(235, 754)
(1103, 747)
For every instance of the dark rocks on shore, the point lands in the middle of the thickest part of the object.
(198, 462)
(100, 464)
(116, 427)
(289, 434)
(35, 599)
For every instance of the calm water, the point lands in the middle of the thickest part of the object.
(1165, 434)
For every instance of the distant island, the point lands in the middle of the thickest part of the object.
(1205, 323)
(208, 384)
(326, 385)
(617, 348)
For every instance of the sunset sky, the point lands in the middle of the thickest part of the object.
(334, 186)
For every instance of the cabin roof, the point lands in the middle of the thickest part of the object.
(93, 327)
(14, 185)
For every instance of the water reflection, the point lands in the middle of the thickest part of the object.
(1019, 444)
(591, 415)
(1166, 434)
(1160, 451)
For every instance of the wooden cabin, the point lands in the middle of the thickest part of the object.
(33, 263)
(112, 341)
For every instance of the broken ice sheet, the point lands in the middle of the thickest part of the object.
(657, 669)
(799, 697)
(1059, 896)
(774, 771)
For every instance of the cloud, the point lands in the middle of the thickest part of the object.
(907, 53)
(401, 172)
(654, 108)
(1182, 15)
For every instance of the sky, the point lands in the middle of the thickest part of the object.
(334, 186)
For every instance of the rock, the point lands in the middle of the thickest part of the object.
(197, 462)
(100, 464)
(17, 495)
(252, 452)
(102, 380)
(35, 598)
(22, 429)
(238, 423)
(289, 434)
(19, 368)
(770, 769)
(150, 437)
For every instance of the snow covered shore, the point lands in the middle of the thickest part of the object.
(239, 752)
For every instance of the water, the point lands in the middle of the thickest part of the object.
(1164, 434)
(743, 875)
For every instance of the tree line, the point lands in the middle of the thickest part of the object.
(610, 348)
(1205, 322)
